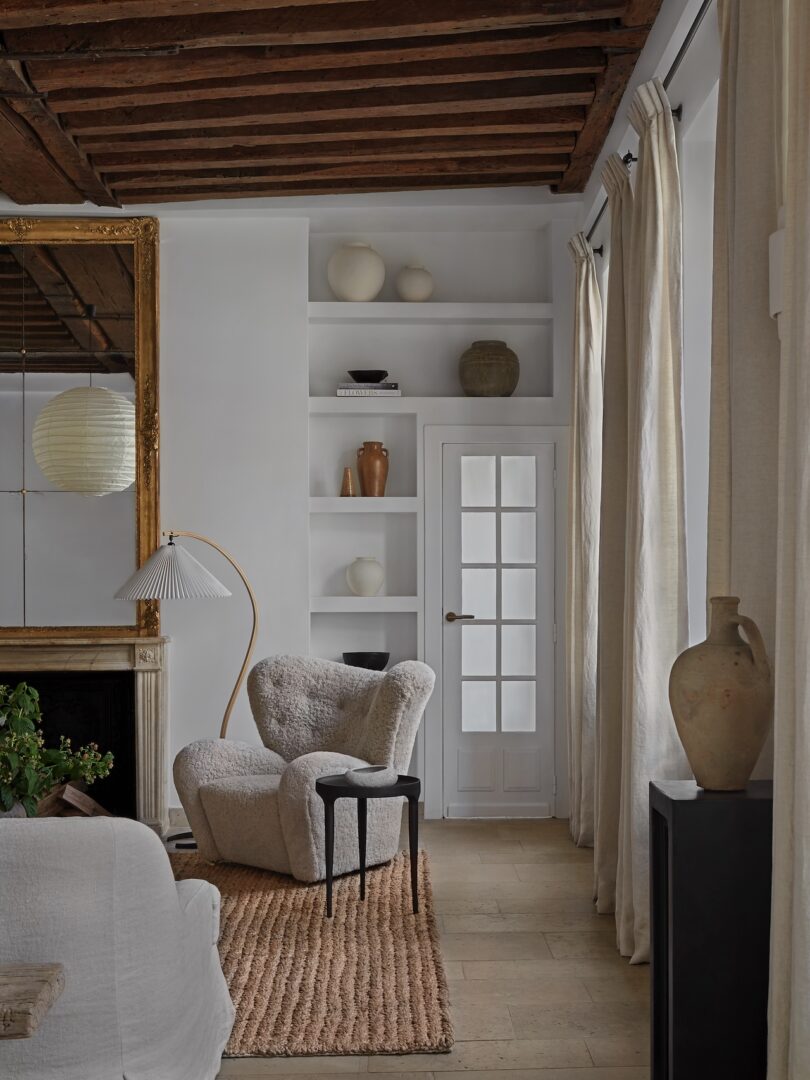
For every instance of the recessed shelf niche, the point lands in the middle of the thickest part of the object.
(332, 634)
(336, 540)
(334, 441)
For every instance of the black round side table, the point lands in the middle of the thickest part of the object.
(332, 788)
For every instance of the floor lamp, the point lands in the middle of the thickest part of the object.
(172, 573)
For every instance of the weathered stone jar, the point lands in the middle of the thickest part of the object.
(721, 693)
(489, 369)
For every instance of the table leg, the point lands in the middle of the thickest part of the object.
(361, 839)
(329, 815)
(413, 837)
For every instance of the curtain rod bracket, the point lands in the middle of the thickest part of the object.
(677, 112)
(599, 250)
(629, 157)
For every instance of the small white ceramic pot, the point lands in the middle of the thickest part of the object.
(365, 576)
(356, 272)
(415, 284)
(372, 776)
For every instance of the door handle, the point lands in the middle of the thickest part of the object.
(452, 617)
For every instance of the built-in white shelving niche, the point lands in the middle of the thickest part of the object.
(333, 633)
(333, 444)
(337, 539)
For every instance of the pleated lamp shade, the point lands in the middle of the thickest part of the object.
(172, 573)
(84, 441)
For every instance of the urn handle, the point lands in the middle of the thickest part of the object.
(758, 650)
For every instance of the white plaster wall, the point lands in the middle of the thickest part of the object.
(233, 362)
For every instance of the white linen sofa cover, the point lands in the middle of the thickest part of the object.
(258, 805)
(144, 997)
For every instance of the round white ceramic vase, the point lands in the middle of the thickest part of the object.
(365, 576)
(355, 272)
(415, 284)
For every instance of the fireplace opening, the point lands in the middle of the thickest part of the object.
(91, 706)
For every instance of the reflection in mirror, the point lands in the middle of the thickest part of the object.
(67, 320)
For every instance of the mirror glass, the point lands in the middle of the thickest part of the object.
(67, 319)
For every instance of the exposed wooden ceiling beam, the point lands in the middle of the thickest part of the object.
(18, 14)
(122, 164)
(197, 64)
(363, 20)
(305, 108)
(346, 187)
(402, 170)
(405, 128)
(421, 73)
(609, 91)
(40, 161)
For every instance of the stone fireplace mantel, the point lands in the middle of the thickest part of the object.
(146, 657)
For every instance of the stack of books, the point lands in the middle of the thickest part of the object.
(369, 389)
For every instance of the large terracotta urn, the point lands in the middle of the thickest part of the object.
(721, 692)
(372, 468)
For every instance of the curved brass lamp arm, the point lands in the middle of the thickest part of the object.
(243, 671)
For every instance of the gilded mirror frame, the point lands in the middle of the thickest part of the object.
(142, 234)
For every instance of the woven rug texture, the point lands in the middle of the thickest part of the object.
(368, 981)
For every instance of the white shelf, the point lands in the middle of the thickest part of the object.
(353, 604)
(474, 409)
(335, 311)
(319, 504)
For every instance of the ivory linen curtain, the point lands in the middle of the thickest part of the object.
(789, 1008)
(745, 343)
(655, 607)
(585, 464)
(613, 525)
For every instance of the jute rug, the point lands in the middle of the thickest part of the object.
(368, 981)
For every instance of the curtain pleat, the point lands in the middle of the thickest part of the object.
(789, 1007)
(655, 607)
(612, 537)
(585, 465)
(745, 343)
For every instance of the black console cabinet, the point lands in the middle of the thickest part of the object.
(710, 891)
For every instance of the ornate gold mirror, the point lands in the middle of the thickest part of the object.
(78, 423)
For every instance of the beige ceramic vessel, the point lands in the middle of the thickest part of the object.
(721, 693)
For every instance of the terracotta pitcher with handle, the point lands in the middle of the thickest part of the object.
(721, 693)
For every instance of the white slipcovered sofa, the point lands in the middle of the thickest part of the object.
(144, 997)
(258, 805)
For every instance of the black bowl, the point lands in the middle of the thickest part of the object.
(368, 375)
(374, 661)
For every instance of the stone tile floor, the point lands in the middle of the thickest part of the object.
(537, 989)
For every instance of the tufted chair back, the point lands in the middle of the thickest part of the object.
(301, 705)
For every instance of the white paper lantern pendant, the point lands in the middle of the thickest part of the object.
(84, 441)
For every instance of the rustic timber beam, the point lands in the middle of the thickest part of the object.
(609, 90)
(305, 108)
(122, 164)
(347, 187)
(40, 160)
(192, 65)
(320, 23)
(18, 14)
(535, 166)
(508, 122)
(422, 73)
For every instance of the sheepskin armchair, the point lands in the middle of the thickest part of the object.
(258, 805)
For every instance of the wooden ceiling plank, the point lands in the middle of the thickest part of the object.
(19, 14)
(27, 175)
(641, 12)
(507, 122)
(305, 108)
(347, 187)
(98, 274)
(609, 91)
(448, 166)
(114, 165)
(55, 145)
(422, 73)
(219, 63)
(365, 20)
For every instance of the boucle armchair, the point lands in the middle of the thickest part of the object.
(258, 805)
(144, 997)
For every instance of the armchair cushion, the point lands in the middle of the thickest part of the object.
(243, 812)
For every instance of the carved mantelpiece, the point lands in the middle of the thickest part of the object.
(146, 657)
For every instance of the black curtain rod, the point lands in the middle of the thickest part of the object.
(677, 112)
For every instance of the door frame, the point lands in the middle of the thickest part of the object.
(436, 437)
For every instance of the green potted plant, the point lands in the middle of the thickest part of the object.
(29, 771)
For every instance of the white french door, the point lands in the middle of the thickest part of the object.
(498, 649)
